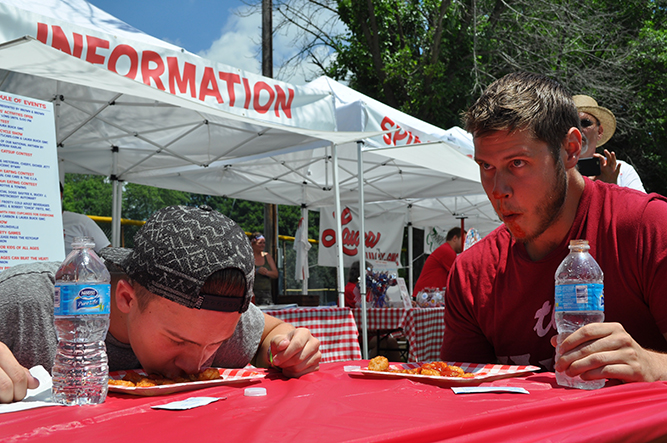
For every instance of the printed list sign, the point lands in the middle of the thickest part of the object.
(31, 226)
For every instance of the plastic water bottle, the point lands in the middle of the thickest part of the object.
(81, 308)
(579, 301)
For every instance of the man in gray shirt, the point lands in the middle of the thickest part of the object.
(180, 302)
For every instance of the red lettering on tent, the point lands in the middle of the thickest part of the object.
(77, 50)
(129, 52)
(328, 238)
(248, 94)
(93, 44)
(346, 217)
(209, 86)
(59, 40)
(230, 79)
(148, 73)
(385, 125)
(371, 239)
(42, 32)
(283, 102)
(400, 135)
(259, 87)
(183, 83)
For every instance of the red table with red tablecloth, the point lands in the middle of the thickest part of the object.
(332, 406)
(333, 327)
(423, 328)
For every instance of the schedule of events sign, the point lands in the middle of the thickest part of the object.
(31, 226)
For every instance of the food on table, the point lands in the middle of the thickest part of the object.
(134, 379)
(378, 363)
(436, 368)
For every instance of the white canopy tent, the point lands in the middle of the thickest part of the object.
(128, 104)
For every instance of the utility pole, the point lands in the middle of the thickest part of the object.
(270, 210)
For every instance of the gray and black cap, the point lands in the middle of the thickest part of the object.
(179, 248)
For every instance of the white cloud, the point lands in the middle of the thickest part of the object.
(240, 46)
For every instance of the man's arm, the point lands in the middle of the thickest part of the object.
(15, 380)
(606, 350)
(294, 350)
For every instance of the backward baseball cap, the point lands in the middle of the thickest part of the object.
(179, 248)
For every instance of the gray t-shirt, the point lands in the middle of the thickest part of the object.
(26, 324)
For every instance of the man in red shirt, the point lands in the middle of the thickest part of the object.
(500, 293)
(436, 269)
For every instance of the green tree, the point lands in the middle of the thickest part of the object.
(431, 58)
(87, 194)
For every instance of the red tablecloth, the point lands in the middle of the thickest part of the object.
(333, 327)
(331, 406)
(423, 328)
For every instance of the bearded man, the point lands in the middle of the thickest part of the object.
(500, 295)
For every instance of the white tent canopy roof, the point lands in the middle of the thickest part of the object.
(145, 115)
(396, 171)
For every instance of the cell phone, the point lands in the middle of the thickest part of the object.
(589, 166)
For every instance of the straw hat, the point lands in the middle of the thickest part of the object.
(607, 120)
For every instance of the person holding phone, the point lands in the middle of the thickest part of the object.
(598, 124)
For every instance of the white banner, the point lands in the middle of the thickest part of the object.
(169, 68)
(31, 224)
(433, 238)
(384, 238)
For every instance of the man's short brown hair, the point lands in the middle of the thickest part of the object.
(524, 101)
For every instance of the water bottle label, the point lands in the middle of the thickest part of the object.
(579, 297)
(82, 299)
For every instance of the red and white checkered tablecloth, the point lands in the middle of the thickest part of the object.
(381, 318)
(424, 328)
(333, 327)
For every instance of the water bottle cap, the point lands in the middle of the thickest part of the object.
(83, 242)
(579, 244)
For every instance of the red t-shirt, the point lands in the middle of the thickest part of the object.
(436, 268)
(350, 298)
(500, 303)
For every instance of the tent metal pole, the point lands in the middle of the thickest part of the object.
(117, 199)
(362, 252)
(410, 251)
(339, 229)
(304, 217)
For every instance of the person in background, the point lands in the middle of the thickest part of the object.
(180, 303)
(598, 124)
(436, 268)
(500, 294)
(79, 225)
(352, 295)
(265, 270)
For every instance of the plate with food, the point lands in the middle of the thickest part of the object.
(138, 382)
(438, 372)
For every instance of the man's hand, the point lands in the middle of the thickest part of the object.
(295, 353)
(15, 380)
(606, 350)
(609, 169)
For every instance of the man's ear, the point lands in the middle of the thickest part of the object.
(125, 296)
(572, 148)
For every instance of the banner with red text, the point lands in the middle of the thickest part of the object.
(31, 224)
(82, 31)
(384, 238)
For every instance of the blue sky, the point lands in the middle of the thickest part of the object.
(209, 28)
(192, 24)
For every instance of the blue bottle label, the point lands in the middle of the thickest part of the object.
(82, 299)
(580, 297)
